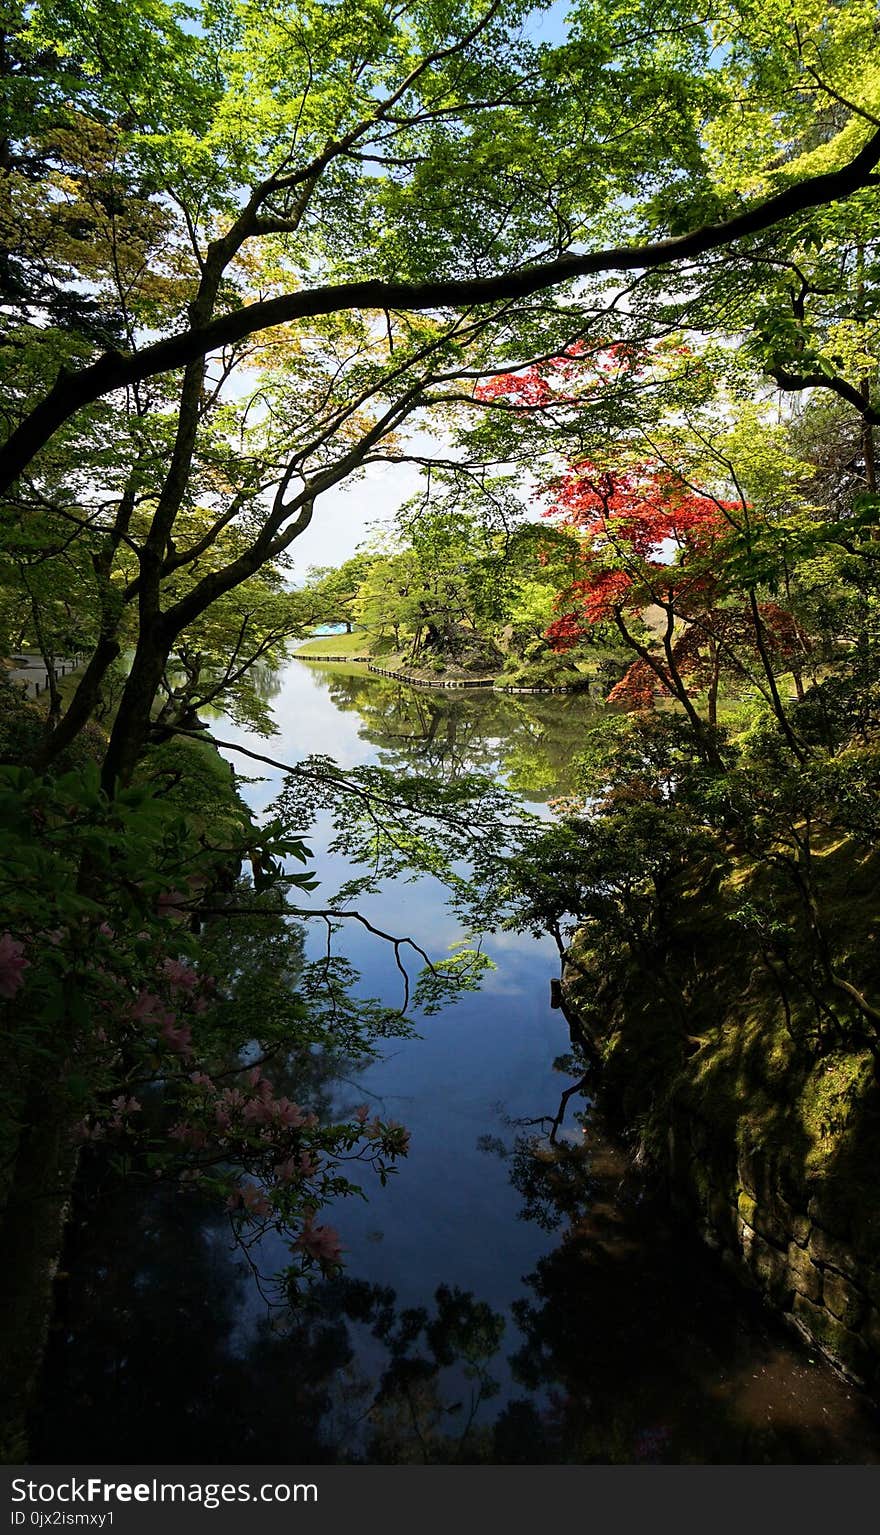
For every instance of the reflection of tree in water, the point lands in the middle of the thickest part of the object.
(170, 1369)
(649, 1352)
(530, 739)
(143, 1362)
(631, 1346)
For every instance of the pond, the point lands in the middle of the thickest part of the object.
(502, 1301)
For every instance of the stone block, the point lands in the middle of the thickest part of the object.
(805, 1278)
(842, 1298)
(828, 1210)
(832, 1253)
(799, 1227)
(843, 1346)
(866, 1235)
(768, 1218)
(770, 1268)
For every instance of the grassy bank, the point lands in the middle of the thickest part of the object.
(343, 646)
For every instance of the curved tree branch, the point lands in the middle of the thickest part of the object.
(117, 370)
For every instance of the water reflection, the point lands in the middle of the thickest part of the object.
(529, 739)
(627, 1345)
(516, 1295)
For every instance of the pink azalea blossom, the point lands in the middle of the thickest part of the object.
(256, 1079)
(178, 1039)
(320, 1242)
(187, 1134)
(257, 1112)
(180, 975)
(85, 1131)
(201, 1079)
(287, 1171)
(288, 1113)
(399, 1135)
(147, 1008)
(12, 965)
(123, 1105)
(250, 1199)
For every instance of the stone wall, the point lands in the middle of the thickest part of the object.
(787, 1243)
(811, 1252)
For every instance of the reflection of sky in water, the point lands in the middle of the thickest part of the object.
(632, 1342)
(634, 1334)
(450, 1216)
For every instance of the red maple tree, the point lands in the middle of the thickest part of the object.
(653, 547)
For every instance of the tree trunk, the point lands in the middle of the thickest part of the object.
(81, 707)
(131, 728)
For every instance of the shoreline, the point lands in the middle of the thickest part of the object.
(489, 682)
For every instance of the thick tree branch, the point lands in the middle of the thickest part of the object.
(116, 370)
(794, 382)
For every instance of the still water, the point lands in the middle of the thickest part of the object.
(502, 1301)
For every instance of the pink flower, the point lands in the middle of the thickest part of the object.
(320, 1242)
(250, 1199)
(287, 1172)
(12, 965)
(179, 975)
(362, 1114)
(123, 1105)
(147, 1008)
(288, 1113)
(178, 1039)
(187, 1134)
(262, 1084)
(201, 1079)
(85, 1131)
(397, 1138)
